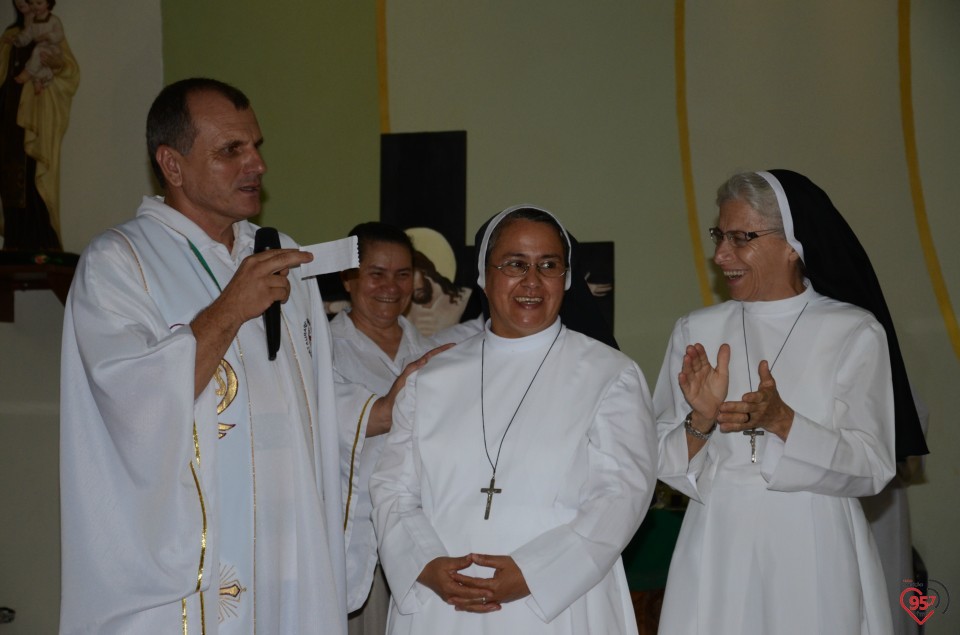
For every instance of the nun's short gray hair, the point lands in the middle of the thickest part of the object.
(755, 191)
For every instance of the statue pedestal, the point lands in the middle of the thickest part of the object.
(29, 270)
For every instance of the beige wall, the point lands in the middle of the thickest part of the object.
(574, 106)
(310, 71)
(567, 104)
(103, 175)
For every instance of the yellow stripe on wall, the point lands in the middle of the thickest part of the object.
(382, 66)
(916, 187)
(683, 131)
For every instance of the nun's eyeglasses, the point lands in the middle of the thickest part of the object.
(519, 268)
(737, 237)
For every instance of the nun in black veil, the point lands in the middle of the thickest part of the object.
(776, 411)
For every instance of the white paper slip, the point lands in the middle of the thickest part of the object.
(336, 255)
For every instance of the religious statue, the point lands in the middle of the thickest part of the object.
(39, 77)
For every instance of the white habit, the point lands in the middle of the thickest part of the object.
(781, 546)
(359, 361)
(576, 473)
(215, 515)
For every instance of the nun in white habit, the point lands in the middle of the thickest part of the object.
(775, 411)
(519, 464)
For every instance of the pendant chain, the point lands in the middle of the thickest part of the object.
(753, 433)
(483, 423)
(746, 350)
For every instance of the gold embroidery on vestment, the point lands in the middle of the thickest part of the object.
(136, 258)
(353, 462)
(230, 591)
(253, 479)
(203, 534)
(227, 384)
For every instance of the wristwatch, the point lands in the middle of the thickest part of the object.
(693, 432)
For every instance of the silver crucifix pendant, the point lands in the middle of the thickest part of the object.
(753, 434)
(489, 491)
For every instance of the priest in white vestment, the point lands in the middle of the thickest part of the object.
(520, 462)
(372, 345)
(199, 479)
(775, 411)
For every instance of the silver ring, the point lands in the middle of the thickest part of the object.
(483, 599)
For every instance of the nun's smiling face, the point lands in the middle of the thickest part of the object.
(765, 268)
(530, 303)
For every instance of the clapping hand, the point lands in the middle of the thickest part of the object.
(703, 385)
(760, 409)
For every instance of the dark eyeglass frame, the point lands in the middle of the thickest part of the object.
(520, 268)
(737, 237)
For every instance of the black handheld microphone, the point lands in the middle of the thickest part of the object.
(268, 238)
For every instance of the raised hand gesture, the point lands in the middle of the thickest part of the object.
(760, 409)
(703, 385)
